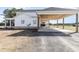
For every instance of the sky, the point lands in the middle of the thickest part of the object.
(40, 3)
(70, 19)
(1, 12)
(3, 8)
(67, 19)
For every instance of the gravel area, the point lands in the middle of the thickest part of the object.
(42, 41)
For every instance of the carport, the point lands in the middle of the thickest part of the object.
(55, 13)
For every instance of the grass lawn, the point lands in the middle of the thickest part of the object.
(68, 27)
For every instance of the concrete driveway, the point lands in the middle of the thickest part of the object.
(42, 41)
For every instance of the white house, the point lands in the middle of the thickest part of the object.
(33, 18)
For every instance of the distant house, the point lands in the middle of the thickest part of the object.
(33, 18)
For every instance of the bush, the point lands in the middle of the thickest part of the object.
(2, 24)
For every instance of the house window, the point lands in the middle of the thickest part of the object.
(22, 21)
(34, 21)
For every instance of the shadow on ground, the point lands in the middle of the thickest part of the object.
(38, 33)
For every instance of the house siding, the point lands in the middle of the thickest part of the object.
(29, 19)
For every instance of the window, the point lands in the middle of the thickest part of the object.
(22, 21)
(34, 21)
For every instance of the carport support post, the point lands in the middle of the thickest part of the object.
(38, 21)
(63, 23)
(5, 23)
(77, 22)
(57, 23)
(10, 23)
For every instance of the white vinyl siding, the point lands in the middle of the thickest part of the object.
(22, 21)
(26, 20)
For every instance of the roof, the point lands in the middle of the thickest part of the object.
(48, 9)
(27, 10)
(58, 9)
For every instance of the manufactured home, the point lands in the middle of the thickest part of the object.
(33, 19)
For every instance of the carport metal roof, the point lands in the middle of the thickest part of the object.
(55, 10)
(55, 13)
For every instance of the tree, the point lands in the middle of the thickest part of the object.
(13, 12)
(6, 12)
(10, 13)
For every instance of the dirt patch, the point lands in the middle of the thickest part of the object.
(9, 43)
